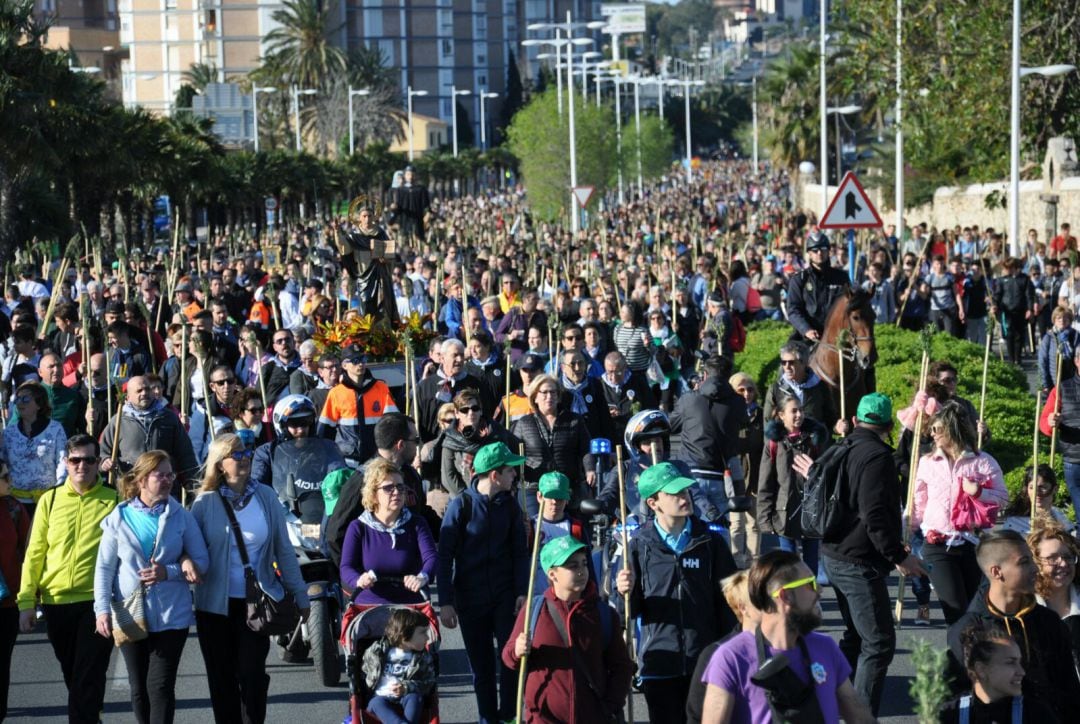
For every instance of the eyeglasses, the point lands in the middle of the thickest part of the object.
(226, 381)
(394, 488)
(812, 580)
(163, 476)
(88, 460)
(255, 410)
(788, 362)
(571, 337)
(353, 361)
(283, 340)
(466, 410)
(241, 455)
(547, 392)
(23, 399)
(1059, 558)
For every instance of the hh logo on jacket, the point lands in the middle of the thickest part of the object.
(691, 563)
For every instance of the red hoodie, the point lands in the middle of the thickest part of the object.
(555, 690)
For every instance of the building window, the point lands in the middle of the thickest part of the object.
(170, 4)
(447, 48)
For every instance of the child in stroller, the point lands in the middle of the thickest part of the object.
(399, 670)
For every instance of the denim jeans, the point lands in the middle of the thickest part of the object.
(1072, 481)
(810, 550)
(412, 705)
(870, 639)
(920, 585)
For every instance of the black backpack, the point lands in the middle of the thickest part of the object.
(822, 514)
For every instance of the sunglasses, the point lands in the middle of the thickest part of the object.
(571, 338)
(255, 410)
(283, 340)
(811, 580)
(787, 362)
(88, 460)
(241, 455)
(447, 421)
(466, 410)
(354, 361)
(227, 381)
(394, 488)
(23, 399)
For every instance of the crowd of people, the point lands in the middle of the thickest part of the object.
(148, 408)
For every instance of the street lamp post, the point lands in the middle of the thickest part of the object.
(352, 139)
(410, 93)
(753, 103)
(618, 127)
(454, 93)
(483, 118)
(255, 91)
(557, 42)
(687, 84)
(899, 170)
(637, 133)
(575, 218)
(585, 58)
(822, 105)
(296, 93)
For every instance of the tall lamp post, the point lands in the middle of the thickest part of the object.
(296, 93)
(585, 58)
(255, 91)
(687, 84)
(483, 118)
(898, 201)
(823, 103)
(637, 81)
(352, 138)
(837, 112)
(557, 42)
(410, 93)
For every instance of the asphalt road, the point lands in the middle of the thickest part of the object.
(37, 692)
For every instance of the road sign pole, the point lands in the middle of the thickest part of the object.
(851, 255)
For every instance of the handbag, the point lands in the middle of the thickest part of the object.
(972, 514)
(264, 615)
(129, 615)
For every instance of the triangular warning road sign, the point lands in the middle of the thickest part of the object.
(583, 194)
(850, 208)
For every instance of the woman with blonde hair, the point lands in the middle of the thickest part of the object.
(150, 541)
(234, 655)
(387, 542)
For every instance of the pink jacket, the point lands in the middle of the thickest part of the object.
(939, 483)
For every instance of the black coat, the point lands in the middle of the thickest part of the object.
(598, 419)
(430, 396)
(811, 294)
(709, 421)
(563, 448)
(455, 448)
(779, 491)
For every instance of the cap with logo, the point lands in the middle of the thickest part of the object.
(556, 552)
(494, 456)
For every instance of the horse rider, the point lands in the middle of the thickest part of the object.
(812, 291)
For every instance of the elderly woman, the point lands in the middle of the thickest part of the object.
(234, 655)
(150, 541)
(958, 492)
(555, 440)
(387, 541)
(33, 445)
(632, 338)
(471, 431)
(1055, 552)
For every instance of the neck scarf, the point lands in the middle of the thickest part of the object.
(446, 390)
(142, 415)
(398, 528)
(136, 503)
(239, 501)
(577, 405)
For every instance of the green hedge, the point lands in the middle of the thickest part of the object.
(1010, 408)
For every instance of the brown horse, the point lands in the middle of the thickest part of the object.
(851, 312)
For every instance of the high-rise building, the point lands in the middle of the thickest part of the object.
(88, 29)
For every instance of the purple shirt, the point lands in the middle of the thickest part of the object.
(731, 667)
(407, 554)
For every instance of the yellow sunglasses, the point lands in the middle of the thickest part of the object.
(812, 580)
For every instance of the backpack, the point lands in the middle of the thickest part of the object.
(753, 300)
(822, 513)
(736, 339)
(603, 608)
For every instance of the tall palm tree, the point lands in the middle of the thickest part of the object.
(790, 92)
(200, 75)
(301, 46)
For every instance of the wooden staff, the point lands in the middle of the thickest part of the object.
(1031, 337)
(982, 395)
(1035, 455)
(674, 302)
(438, 282)
(841, 342)
(1057, 406)
(627, 620)
(185, 388)
(465, 301)
(61, 272)
(506, 399)
(200, 360)
(415, 394)
(116, 436)
(408, 374)
(912, 472)
(912, 275)
(89, 376)
(523, 665)
(259, 374)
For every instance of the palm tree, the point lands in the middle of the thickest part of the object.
(200, 75)
(301, 46)
(790, 95)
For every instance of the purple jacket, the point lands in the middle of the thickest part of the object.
(408, 553)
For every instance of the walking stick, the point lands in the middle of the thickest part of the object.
(982, 395)
(523, 665)
(408, 374)
(1057, 406)
(631, 648)
(186, 386)
(913, 468)
(506, 399)
(841, 342)
(116, 436)
(912, 275)
(1035, 455)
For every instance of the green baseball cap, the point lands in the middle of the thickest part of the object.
(662, 477)
(494, 456)
(555, 486)
(875, 409)
(557, 551)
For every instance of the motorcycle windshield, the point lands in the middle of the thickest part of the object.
(299, 467)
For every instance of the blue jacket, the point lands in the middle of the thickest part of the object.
(483, 557)
(120, 556)
(1048, 349)
(212, 596)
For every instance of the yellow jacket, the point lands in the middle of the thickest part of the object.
(62, 552)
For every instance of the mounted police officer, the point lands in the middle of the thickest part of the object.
(812, 291)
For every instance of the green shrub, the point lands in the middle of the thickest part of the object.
(1010, 409)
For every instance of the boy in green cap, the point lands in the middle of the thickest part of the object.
(678, 565)
(553, 494)
(484, 573)
(578, 666)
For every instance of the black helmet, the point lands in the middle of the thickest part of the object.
(644, 425)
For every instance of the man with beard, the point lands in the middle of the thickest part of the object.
(353, 408)
(277, 371)
(785, 591)
(450, 378)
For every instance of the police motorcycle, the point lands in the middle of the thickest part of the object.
(296, 466)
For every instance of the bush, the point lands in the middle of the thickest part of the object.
(1009, 405)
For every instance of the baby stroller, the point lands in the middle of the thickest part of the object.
(361, 626)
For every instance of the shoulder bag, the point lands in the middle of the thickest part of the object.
(264, 615)
(129, 615)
